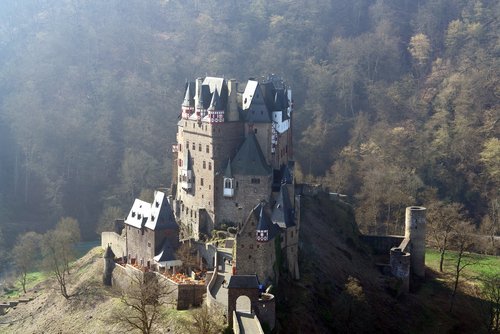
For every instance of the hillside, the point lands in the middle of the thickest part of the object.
(89, 310)
(396, 101)
(324, 300)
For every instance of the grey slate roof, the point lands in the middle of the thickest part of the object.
(250, 160)
(189, 95)
(167, 251)
(155, 216)
(282, 211)
(228, 173)
(264, 221)
(215, 102)
(108, 254)
(243, 282)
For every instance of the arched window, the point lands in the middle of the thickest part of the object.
(228, 187)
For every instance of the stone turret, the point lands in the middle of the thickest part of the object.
(415, 233)
(109, 265)
(400, 267)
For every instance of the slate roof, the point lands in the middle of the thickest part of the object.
(250, 160)
(155, 216)
(189, 95)
(254, 106)
(161, 214)
(209, 87)
(264, 221)
(138, 214)
(282, 211)
(215, 102)
(167, 251)
(108, 254)
(228, 173)
(243, 282)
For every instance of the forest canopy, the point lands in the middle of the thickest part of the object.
(396, 102)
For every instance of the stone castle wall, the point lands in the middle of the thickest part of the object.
(181, 296)
(246, 196)
(381, 244)
(140, 245)
(116, 241)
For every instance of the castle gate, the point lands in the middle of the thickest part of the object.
(242, 285)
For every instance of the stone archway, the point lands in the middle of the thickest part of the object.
(244, 286)
(243, 304)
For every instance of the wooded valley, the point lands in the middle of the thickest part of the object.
(396, 102)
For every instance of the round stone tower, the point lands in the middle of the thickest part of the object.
(400, 267)
(109, 265)
(415, 232)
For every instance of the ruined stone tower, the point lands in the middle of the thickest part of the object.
(415, 224)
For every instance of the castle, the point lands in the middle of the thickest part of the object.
(232, 167)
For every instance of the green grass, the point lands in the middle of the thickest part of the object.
(481, 266)
(32, 279)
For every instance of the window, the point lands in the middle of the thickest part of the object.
(255, 181)
(204, 165)
(180, 147)
(255, 131)
(208, 148)
(199, 147)
(149, 244)
(201, 182)
(194, 146)
(228, 183)
(209, 165)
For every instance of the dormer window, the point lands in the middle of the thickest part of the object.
(228, 187)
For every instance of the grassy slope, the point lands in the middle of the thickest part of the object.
(90, 310)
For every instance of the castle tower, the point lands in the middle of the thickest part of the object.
(400, 267)
(218, 124)
(109, 265)
(415, 233)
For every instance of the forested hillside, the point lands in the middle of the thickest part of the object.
(396, 102)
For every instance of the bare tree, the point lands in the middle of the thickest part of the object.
(204, 320)
(442, 219)
(491, 295)
(187, 254)
(143, 299)
(53, 258)
(462, 240)
(24, 255)
(69, 234)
